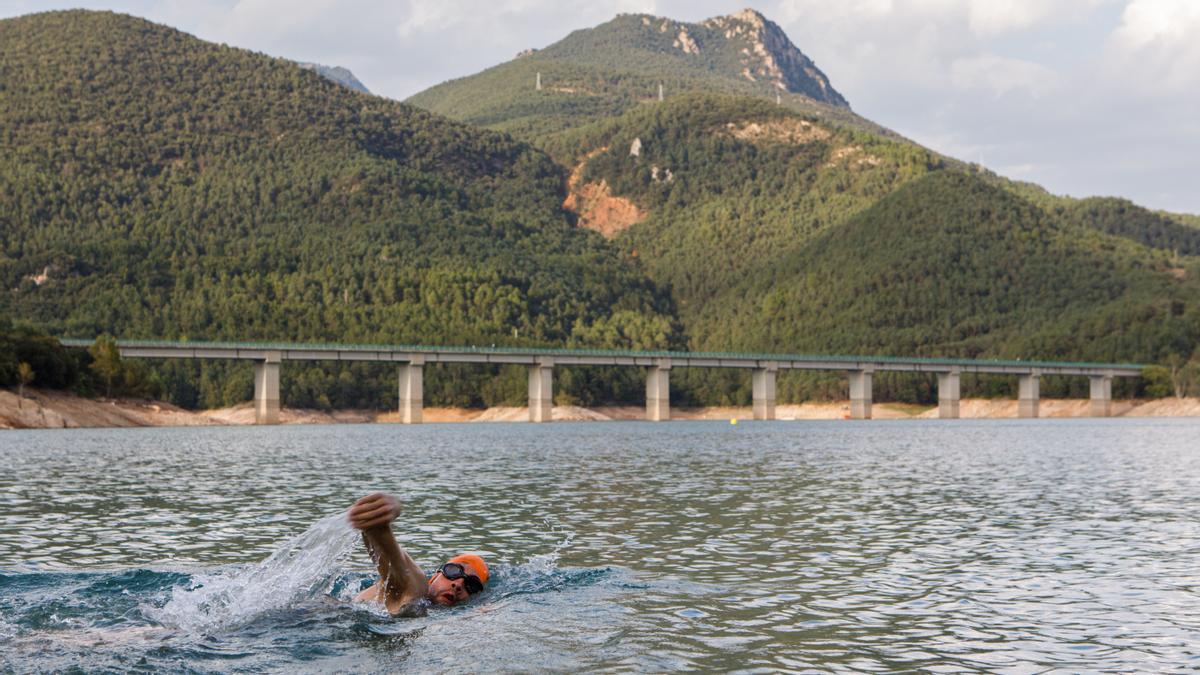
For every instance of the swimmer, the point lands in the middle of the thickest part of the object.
(402, 587)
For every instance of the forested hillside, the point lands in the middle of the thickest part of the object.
(950, 265)
(154, 185)
(739, 179)
(609, 69)
(778, 232)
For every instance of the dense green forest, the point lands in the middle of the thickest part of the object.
(793, 239)
(738, 199)
(154, 185)
(948, 265)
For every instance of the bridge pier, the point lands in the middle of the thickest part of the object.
(1101, 395)
(412, 391)
(1028, 393)
(658, 391)
(948, 394)
(860, 393)
(266, 389)
(541, 391)
(267, 359)
(762, 383)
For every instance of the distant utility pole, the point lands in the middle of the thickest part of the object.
(539, 81)
(660, 93)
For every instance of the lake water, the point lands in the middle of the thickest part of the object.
(991, 545)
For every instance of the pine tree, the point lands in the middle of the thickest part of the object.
(106, 361)
(25, 375)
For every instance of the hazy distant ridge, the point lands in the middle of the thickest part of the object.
(336, 73)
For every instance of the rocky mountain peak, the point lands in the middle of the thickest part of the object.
(769, 55)
(750, 16)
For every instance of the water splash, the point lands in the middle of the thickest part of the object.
(302, 568)
(540, 573)
(278, 614)
(547, 563)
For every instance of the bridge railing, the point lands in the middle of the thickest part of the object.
(541, 360)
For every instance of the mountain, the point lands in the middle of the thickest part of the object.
(952, 264)
(777, 231)
(740, 179)
(780, 227)
(619, 65)
(154, 185)
(336, 73)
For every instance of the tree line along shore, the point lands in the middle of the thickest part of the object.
(50, 386)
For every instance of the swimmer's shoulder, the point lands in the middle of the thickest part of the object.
(412, 606)
(411, 610)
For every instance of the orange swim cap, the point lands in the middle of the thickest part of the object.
(473, 563)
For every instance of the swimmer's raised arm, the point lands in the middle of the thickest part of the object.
(374, 510)
(401, 582)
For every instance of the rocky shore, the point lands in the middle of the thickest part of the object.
(40, 409)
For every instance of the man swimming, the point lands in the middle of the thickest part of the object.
(402, 586)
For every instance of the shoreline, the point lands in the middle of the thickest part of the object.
(45, 409)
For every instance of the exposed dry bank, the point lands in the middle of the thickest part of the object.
(41, 409)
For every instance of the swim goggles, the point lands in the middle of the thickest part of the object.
(454, 571)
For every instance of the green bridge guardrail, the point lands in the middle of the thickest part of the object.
(557, 351)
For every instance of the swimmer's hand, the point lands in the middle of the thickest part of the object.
(374, 510)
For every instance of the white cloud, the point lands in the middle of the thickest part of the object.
(1156, 45)
(1082, 96)
(1000, 76)
(1145, 22)
(987, 18)
(435, 15)
(992, 17)
(636, 6)
(426, 16)
(980, 18)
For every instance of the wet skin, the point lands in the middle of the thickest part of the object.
(447, 592)
(401, 583)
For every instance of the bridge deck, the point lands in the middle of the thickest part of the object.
(260, 351)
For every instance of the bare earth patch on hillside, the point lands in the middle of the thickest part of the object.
(564, 89)
(852, 154)
(786, 130)
(599, 210)
(596, 206)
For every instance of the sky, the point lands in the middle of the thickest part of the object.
(1083, 97)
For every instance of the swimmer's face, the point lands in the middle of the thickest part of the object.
(443, 591)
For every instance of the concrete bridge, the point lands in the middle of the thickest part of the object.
(267, 358)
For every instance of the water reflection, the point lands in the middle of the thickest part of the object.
(979, 545)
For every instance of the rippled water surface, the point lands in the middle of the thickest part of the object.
(941, 545)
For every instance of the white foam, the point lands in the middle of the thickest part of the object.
(302, 568)
(547, 563)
